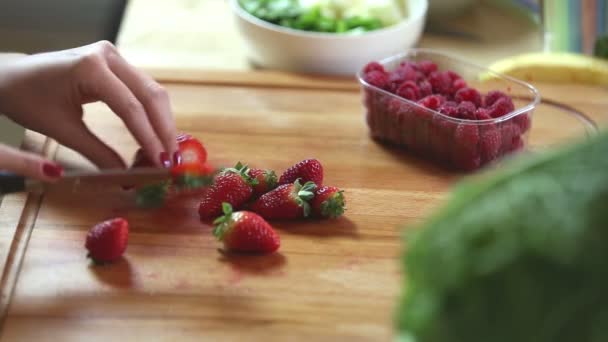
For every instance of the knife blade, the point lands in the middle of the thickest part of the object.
(86, 180)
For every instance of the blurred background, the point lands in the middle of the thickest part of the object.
(202, 34)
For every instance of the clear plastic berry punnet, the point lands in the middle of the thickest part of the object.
(461, 144)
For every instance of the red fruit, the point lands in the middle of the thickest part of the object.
(466, 154)
(468, 94)
(493, 96)
(510, 134)
(453, 75)
(267, 180)
(191, 149)
(373, 66)
(523, 121)
(442, 137)
(449, 108)
(501, 107)
(489, 143)
(328, 202)
(409, 90)
(441, 82)
(482, 114)
(427, 67)
(466, 110)
(107, 241)
(459, 84)
(401, 75)
(288, 201)
(233, 186)
(192, 176)
(308, 170)
(432, 101)
(377, 78)
(244, 231)
(426, 88)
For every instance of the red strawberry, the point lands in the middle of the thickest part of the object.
(107, 241)
(233, 185)
(288, 201)
(328, 202)
(244, 231)
(191, 149)
(267, 180)
(309, 170)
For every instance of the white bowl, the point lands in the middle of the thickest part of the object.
(275, 47)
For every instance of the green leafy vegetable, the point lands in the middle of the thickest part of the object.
(289, 13)
(520, 255)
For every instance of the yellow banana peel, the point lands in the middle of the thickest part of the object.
(562, 67)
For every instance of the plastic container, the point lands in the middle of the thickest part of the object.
(455, 143)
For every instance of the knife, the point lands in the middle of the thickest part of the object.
(104, 179)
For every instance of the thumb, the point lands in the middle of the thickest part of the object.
(29, 164)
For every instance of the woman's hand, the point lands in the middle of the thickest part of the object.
(45, 93)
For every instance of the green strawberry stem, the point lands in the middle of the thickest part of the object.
(152, 196)
(192, 181)
(304, 193)
(222, 223)
(271, 179)
(333, 206)
(243, 171)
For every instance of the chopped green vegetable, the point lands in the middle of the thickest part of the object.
(520, 255)
(325, 16)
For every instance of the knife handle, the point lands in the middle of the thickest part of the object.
(10, 182)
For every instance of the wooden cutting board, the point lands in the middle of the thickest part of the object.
(330, 281)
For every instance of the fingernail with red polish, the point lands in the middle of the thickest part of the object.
(164, 159)
(177, 158)
(52, 170)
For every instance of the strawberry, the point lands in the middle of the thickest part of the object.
(192, 176)
(267, 180)
(191, 149)
(309, 170)
(232, 185)
(288, 201)
(328, 202)
(244, 231)
(107, 241)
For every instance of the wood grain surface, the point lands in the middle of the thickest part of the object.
(330, 281)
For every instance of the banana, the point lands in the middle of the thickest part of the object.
(562, 67)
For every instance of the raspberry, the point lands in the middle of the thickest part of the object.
(510, 134)
(441, 82)
(489, 143)
(427, 67)
(442, 135)
(468, 94)
(459, 84)
(449, 109)
(518, 144)
(377, 78)
(425, 88)
(373, 66)
(432, 101)
(482, 114)
(523, 121)
(453, 75)
(466, 110)
(501, 107)
(409, 90)
(465, 153)
(494, 96)
(400, 75)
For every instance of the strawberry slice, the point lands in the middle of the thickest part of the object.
(191, 149)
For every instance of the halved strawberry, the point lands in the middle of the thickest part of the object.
(191, 149)
(107, 240)
(244, 231)
(328, 202)
(288, 201)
